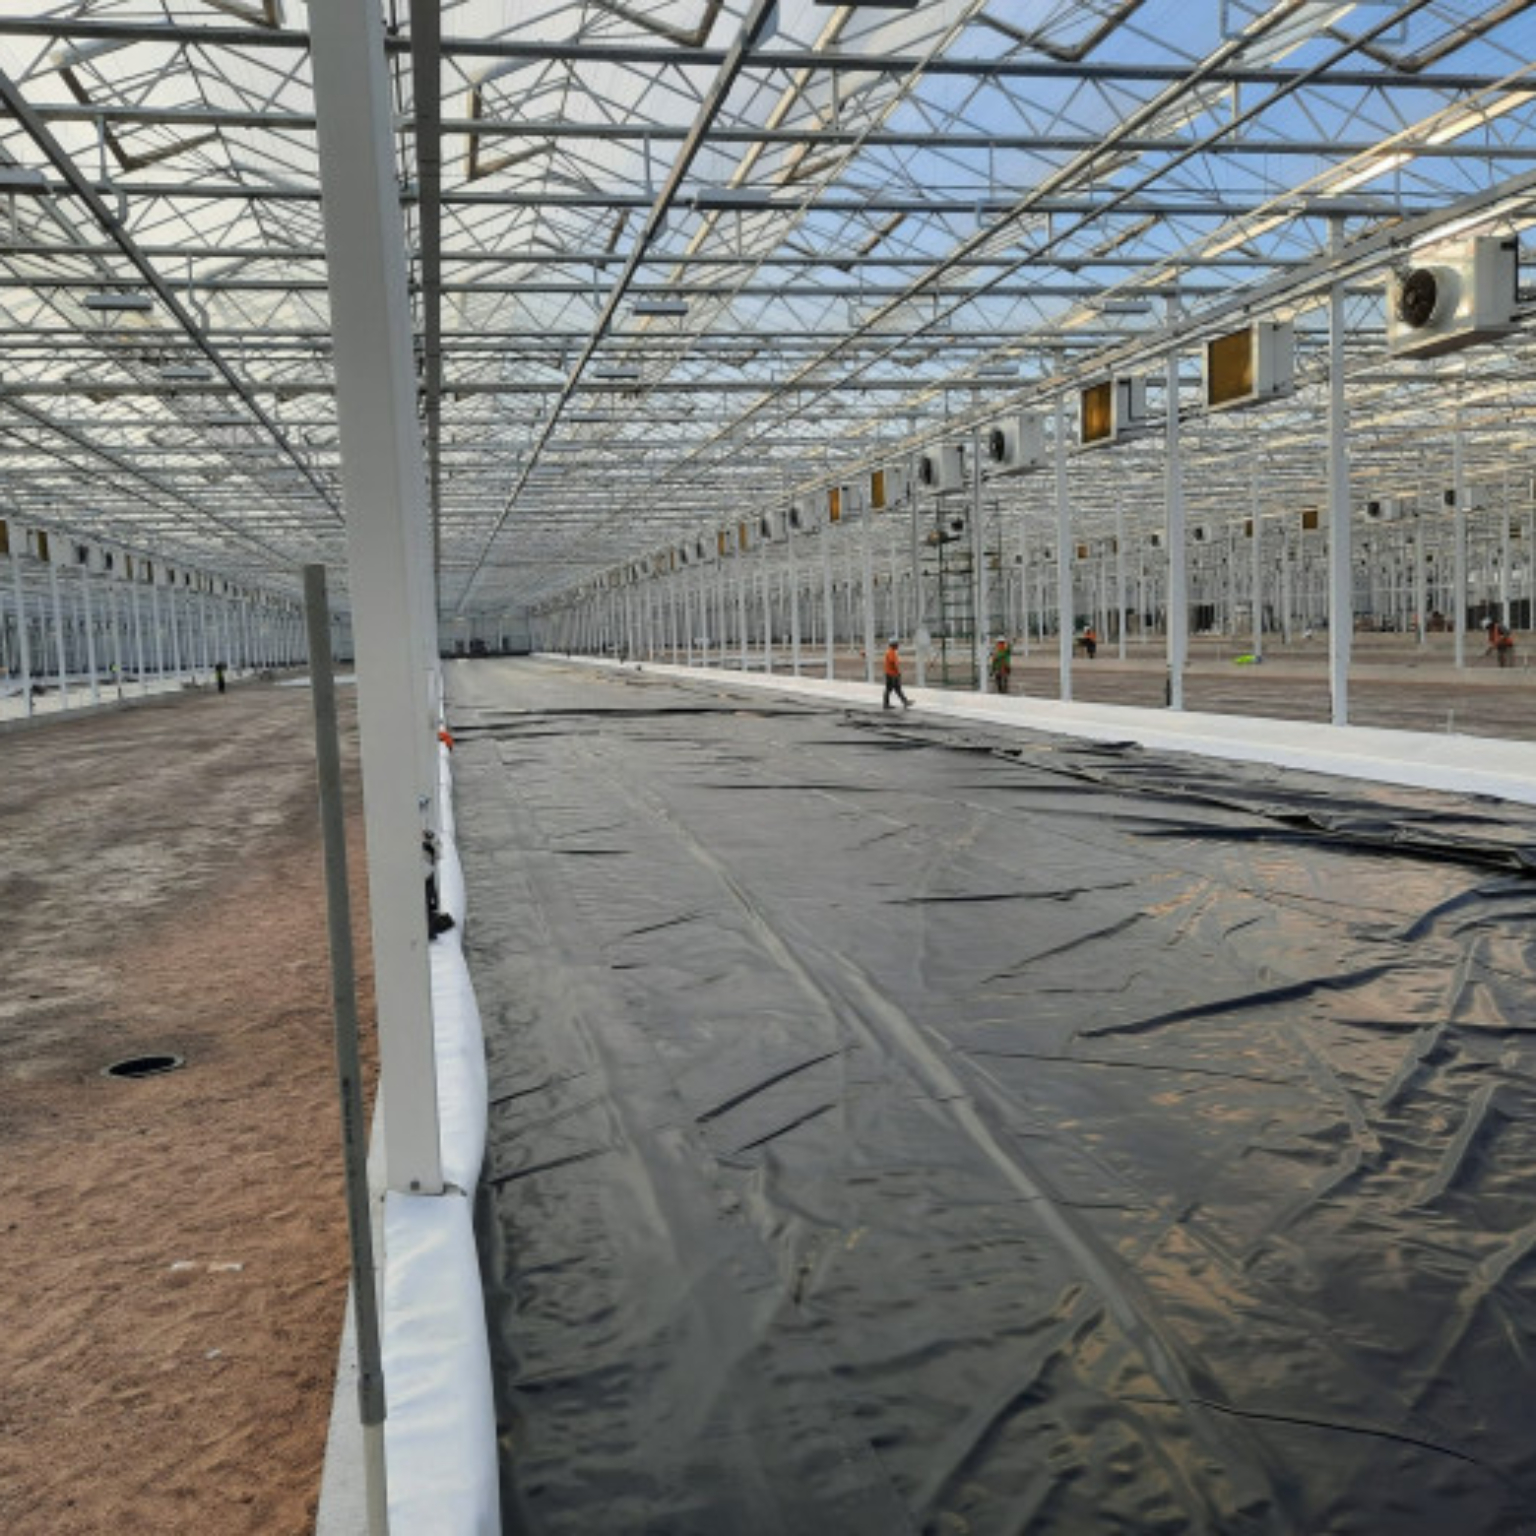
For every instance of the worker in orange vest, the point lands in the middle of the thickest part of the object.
(1501, 642)
(1090, 642)
(893, 676)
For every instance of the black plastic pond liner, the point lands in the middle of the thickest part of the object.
(905, 1127)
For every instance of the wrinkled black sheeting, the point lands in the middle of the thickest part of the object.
(984, 1141)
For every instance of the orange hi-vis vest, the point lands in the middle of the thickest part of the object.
(892, 662)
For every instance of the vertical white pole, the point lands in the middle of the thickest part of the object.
(739, 563)
(117, 637)
(58, 636)
(173, 603)
(90, 635)
(794, 599)
(866, 513)
(1504, 516)
(384, 489)
(767, 601)
(1256, 553)
(136, 620)
(826, 595)
(1120, 576)
(1175, 539)
(919, 597)
(1024, 575)
(1341, 604)
(1064, 553)
(1459, 515)
(982, 623)
(23, 640)
(158, 625)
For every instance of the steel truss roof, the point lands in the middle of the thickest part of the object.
(677, 260)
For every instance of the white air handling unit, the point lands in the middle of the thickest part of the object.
(1452, 296)
(1015, 444)
(941, 469)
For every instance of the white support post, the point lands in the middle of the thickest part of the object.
(1459, 524)
(1064, 554)
(794, 599)
(920, 634)
(1504, 516)
(867, 515)
(1341, 596)
(762, 572)
(981, 621)
(1256, 568)
(1024, 575)
(1120, 576)
(61, 661)
(738, 561)
(158, 626)
(177, 655)
(384, 489)
(23, 640)
(90, 636)
(826, 597)
(1177, 552)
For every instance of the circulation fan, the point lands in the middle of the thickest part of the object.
(1424, 293)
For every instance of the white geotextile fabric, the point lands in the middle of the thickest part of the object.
(440, 1435)
(460, 1052)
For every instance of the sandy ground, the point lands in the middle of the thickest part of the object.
(174, 1258)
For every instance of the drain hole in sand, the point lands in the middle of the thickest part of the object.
(143, 1066)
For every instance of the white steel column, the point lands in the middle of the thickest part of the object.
(23, 641)
(384, 488)
(90, 634)
(1063, 556)
(767, 601)
(1504, 515)
(1024, 575)
(1120, 576)
(1459, 525)
(176, 651)
(867, 514)
(1177, 612)
(58, 635)
(741, 600)
(1341, 598)
(826, 594)
(981, 624)
(794, 597)
(920, 634)
(138, 637)
(159, 629)
(117, 637)
(1256, 551)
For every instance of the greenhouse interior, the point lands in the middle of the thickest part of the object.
(770, 766)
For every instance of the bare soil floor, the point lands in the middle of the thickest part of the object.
(173, 1262)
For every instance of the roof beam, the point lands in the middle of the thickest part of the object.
(754, 60)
